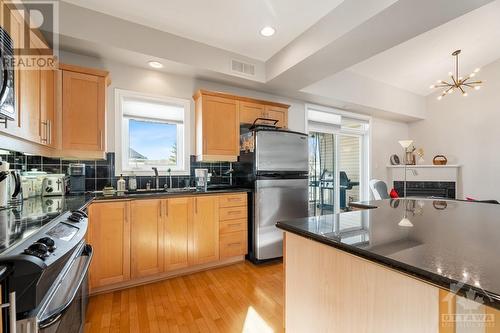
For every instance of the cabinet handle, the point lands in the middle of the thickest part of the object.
(49, 132)
(125, 214)
(44, 131)
(233, 244)
(233, 224)
(234, 199)
(159, 210)
(166, 208)
(232, 212)
(100, 139)
(196, 206)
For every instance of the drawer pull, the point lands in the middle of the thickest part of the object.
(233, 224)
(234, 199)
(234, 212)
(234, 244)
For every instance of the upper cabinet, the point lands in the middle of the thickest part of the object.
(219, 117)
(83, 111)
(217, 128)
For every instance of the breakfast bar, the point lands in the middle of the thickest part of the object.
(398, 265)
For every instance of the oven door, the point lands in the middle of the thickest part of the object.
(65, 311)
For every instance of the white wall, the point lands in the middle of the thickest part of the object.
(385, 137)
(466, 130)
(385, 133)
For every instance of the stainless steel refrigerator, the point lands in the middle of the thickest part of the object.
(274, 164)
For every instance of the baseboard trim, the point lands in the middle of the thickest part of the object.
(166, 275)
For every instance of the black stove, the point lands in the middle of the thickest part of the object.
(45, 251)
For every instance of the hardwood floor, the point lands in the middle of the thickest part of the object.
(237, 298)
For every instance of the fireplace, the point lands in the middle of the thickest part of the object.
(426, 189)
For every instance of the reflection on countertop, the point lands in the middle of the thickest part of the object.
(447, 243)
(18, 223)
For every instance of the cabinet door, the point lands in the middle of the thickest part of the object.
(221, 126)
(250, 111)
(47, 107)
(146, 238)
(204, 230)
(178, 214)
(83, 111)
(277, 113)
(109, 234)
(29, 103)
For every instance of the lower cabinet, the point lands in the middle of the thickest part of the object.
(109, 234)
(178, 217)
(204, 241)
(135, 240)
(146, 237)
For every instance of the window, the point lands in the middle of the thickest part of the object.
(151, 132)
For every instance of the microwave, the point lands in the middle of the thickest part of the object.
(7, 90)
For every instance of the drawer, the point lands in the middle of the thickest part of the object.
(233, 244)
(233, 200)
(232, 226)
(233, 213)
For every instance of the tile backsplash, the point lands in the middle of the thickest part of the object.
(101, 173)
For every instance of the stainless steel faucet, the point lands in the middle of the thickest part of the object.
(157, 178)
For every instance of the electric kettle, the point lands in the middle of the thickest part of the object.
(10, 185)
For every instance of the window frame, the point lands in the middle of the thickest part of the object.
(122, 133)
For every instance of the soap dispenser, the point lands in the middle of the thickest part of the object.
(120, 185)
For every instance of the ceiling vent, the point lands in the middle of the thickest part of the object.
(241, 67)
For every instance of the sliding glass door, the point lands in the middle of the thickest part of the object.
(338, 168)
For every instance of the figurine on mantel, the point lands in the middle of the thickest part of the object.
(420, 154)
(409, 158)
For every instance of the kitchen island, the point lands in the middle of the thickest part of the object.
(395, 266)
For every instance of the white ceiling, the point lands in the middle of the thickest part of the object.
(417, 63)
(232, 25)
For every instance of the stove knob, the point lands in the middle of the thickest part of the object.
(51, 245)
(39, 250)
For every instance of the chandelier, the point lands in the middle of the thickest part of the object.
(457, 82)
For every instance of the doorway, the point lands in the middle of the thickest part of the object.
(338, 164)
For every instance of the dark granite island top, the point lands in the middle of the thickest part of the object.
(450, 244)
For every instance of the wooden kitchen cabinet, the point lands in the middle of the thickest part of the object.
(141, 240)
(83, 111)
(204, 238)
(250, 111)
(146, 237)
(29, 104)
(178, 215)
(277, 113)
(217, 123)
(233, 225)
(47, 108)
(109, 235)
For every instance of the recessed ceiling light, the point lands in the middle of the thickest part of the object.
(267, 31)
(155, 64)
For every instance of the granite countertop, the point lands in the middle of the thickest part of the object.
(451, 244)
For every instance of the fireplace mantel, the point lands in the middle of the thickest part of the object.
(425, 174)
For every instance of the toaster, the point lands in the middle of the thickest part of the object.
(55, 184)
